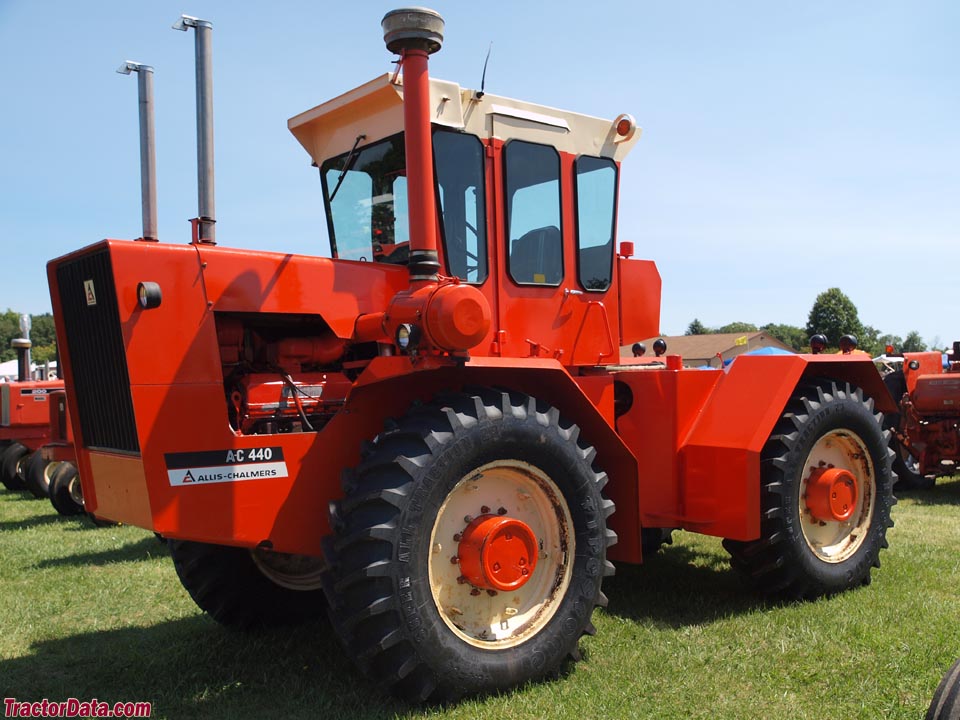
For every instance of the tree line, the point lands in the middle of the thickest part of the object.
(833, 314)
(42, 335)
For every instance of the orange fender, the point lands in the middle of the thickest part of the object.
(720, 457)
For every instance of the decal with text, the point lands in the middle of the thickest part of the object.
(219, 466)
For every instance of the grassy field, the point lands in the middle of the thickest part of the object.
(87, 612)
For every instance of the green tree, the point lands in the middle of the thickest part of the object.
(43, 331)
(834, 315)
(790, 335)
(9, 329)
(42, 334)
(697, 328)
(869, 341)
(913, 342)
(737, 327)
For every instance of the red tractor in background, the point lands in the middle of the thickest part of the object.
(926, 426)
(31, 411)
(429, 433)
(36, 449)
(24, 428)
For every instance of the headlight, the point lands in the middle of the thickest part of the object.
(408, 337)
(149, 295)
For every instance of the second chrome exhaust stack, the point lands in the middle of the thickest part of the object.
(204, 223)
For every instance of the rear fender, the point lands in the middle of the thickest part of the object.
(720, 458)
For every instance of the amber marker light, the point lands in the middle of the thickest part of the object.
(626, 126)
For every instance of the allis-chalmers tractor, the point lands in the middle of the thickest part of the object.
(432, 429)
(24, 427)
(926, 426)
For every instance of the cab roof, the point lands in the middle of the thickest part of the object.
(375, 109)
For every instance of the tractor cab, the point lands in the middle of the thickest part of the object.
(526, 199)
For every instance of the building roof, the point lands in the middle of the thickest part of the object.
(699, 349)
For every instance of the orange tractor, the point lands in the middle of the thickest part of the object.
(24, 428)
(428, 433)
(926, 426)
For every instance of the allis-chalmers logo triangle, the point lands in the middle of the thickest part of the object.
(188, 478)
(89, 292)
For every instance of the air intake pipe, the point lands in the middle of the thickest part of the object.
(415, 34)
(433, 314)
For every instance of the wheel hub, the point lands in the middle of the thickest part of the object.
(497, 553)
(832, 494)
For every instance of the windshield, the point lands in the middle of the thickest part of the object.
(366, 198)
(367, 216)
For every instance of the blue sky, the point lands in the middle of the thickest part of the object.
(787, 147)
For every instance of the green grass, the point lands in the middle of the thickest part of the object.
(87, 612)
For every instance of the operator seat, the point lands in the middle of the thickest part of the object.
(537, 256)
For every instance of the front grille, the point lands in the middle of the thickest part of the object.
(88, 300)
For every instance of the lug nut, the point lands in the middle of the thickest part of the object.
(457, 537)
(484, 510)
(475, 591)
(501, 511)
(462, 580)
(454, 560)
(468, 519)
(492, 593)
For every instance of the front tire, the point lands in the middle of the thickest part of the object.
(407, 599)
(825, 496)
(38, 474)
(11, 465)
(946, 700)
(244, 588)
(66, 494)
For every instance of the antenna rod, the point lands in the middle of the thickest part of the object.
(204, 52)
(148, 150)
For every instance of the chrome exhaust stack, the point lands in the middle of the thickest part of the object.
(148, 149)
(206, 216)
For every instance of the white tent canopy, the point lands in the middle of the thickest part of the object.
(9, 370)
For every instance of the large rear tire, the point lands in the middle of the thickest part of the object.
(825, 496)
(946, 700)
(66, 494)
(245, 588)
(37, 475)
(11, 466)
(905, 465)
(418, 606)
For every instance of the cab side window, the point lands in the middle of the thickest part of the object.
(458, 159)
(532, 182)
(596, 216)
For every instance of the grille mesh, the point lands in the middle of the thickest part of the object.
(95, 348)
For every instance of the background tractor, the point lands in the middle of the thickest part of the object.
(24, 428)
(430, 431)
(926, 426)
